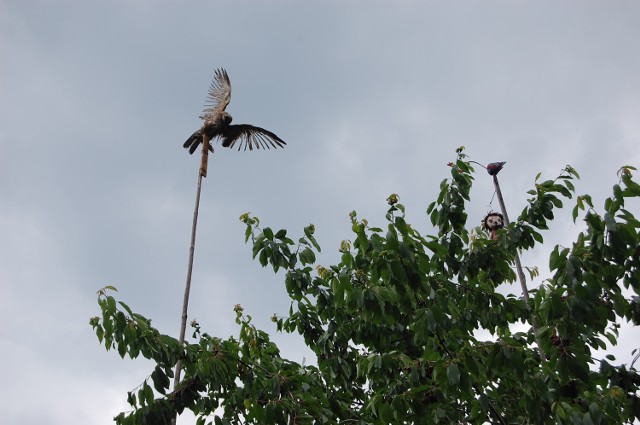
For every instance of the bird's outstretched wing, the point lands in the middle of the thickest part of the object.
(249, 136)
(219, 95)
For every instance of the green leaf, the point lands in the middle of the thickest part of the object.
(122, 349)
(397, 270)
(126, 307)
(431, 321)
(617, 200)
(453, 374)
(308, 232)
(594, 411)
(99, 332)
(569, 185)
(537, 236)
(632, 188)
(160, 380)
(578, 369)
(307, 256)
(146, 394)
(635, 405)
(579, 206)
(263, 258)
(131, 399)
(586, 419)
(401, 225)
(111, 305)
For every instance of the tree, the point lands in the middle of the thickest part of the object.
(394, 324)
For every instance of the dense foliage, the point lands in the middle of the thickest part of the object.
(395, 325)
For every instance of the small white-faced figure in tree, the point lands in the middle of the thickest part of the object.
(493, 222)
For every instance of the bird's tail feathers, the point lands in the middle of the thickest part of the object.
(194, 141)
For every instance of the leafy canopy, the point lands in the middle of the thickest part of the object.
(395, 324)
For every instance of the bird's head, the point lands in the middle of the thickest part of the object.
(226, 118)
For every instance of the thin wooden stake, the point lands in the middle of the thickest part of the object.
(202, 172)
(205, 156)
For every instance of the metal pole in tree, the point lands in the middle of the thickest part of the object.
(493, 169)
(523, 282)
(202, 172)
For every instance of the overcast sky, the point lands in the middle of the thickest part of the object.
(372, 98)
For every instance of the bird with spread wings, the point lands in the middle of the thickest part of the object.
(217, 122)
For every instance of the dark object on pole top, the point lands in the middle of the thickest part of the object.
(217, 122)
(495, 167)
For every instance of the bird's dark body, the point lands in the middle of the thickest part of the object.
(217, 123)
(210, 130)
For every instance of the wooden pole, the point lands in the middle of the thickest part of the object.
(205, 155)
(202, 172)
(521, 277)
